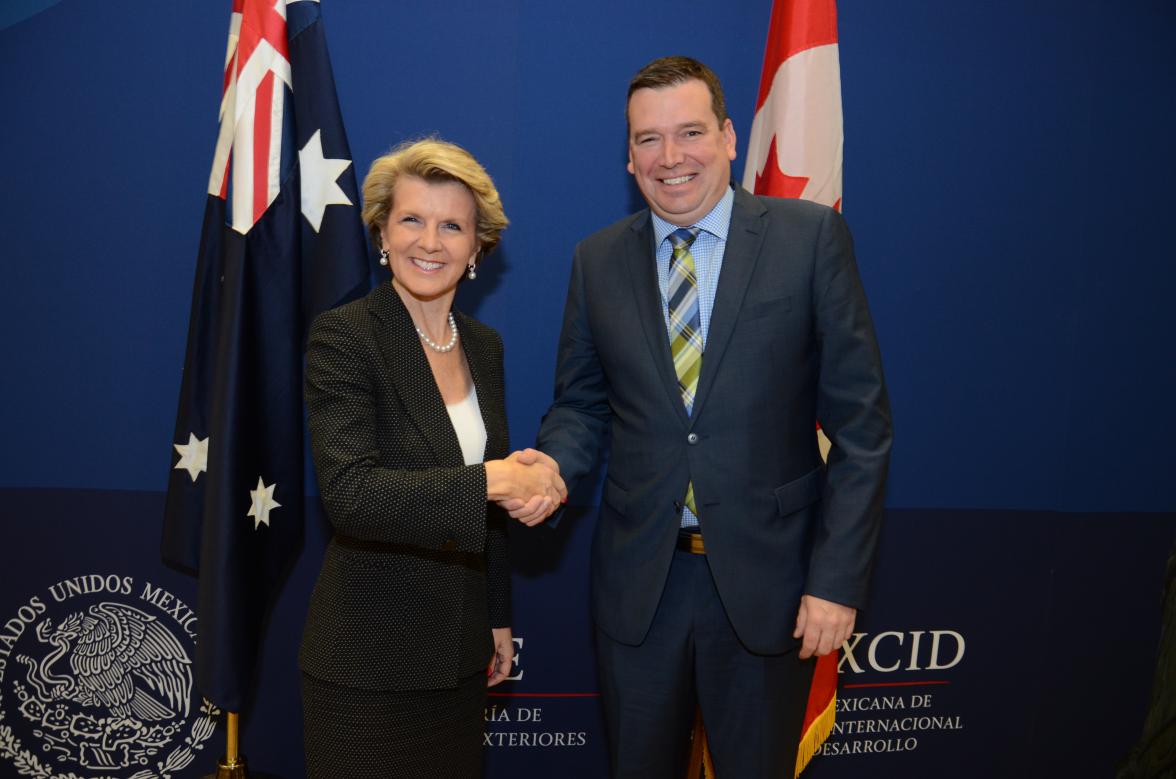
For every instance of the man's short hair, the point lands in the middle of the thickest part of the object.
(671, 71)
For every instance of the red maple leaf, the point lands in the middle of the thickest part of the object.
(775, 182)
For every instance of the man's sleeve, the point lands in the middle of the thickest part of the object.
(575, 424)
(854, 411)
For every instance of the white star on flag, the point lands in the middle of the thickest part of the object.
(320, 187)
(263, 503)
(193, 456)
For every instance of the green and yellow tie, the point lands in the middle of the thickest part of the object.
(685, 324)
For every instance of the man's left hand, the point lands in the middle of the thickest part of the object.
(822, 625)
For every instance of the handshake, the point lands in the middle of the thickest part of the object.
(527, 484)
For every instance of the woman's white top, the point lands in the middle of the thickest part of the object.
(467, 421)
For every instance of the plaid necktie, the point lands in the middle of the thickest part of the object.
(685, 324)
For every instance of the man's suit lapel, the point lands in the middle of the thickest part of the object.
(745, 239)
(405, 357)
(642, 268)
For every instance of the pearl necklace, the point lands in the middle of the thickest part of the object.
(429, 342)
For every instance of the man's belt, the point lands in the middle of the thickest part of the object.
(691, 542)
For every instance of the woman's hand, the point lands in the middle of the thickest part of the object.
(503, 660)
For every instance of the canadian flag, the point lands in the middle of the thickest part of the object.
(796, 138)
(795, 150)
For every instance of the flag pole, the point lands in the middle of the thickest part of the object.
(232, 766)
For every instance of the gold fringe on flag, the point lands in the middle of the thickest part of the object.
(818, 730)
(700, 765)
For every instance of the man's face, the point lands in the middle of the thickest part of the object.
(678, 153)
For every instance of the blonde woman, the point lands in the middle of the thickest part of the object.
(409, 436)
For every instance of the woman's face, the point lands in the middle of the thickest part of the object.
(431, 236)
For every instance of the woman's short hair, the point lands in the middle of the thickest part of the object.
(432, 159)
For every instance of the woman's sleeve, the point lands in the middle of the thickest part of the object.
(497, 569)
(497, 553)
(434, 508)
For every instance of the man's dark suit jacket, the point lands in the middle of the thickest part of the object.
(790, 342)
(417, 572)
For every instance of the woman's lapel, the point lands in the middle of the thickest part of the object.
(404, 354)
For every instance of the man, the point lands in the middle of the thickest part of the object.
(707, 335)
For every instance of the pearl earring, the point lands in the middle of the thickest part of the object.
(471, 274)
(384, 257)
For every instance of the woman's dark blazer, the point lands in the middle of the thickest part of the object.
(417, 572)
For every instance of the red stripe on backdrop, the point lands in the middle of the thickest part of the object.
(891, 684)
(262, 117)
(794, 28)
(543, 694)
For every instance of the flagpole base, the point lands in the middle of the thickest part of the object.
(226, 769)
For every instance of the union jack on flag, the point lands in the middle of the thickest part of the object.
(282, 240)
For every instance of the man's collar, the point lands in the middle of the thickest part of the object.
(717, 222)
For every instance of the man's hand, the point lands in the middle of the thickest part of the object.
(532, 456)
(504, 650)
(822, 625)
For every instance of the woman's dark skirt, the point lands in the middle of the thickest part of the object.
(431, 734)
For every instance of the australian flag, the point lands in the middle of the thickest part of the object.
(282, 241)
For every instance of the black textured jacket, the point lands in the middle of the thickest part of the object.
(417, 571)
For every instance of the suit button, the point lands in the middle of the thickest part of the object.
(449, 545)
(692, 439)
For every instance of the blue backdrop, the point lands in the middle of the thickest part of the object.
(1008, 170)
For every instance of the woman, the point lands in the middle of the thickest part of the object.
(405, 398)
